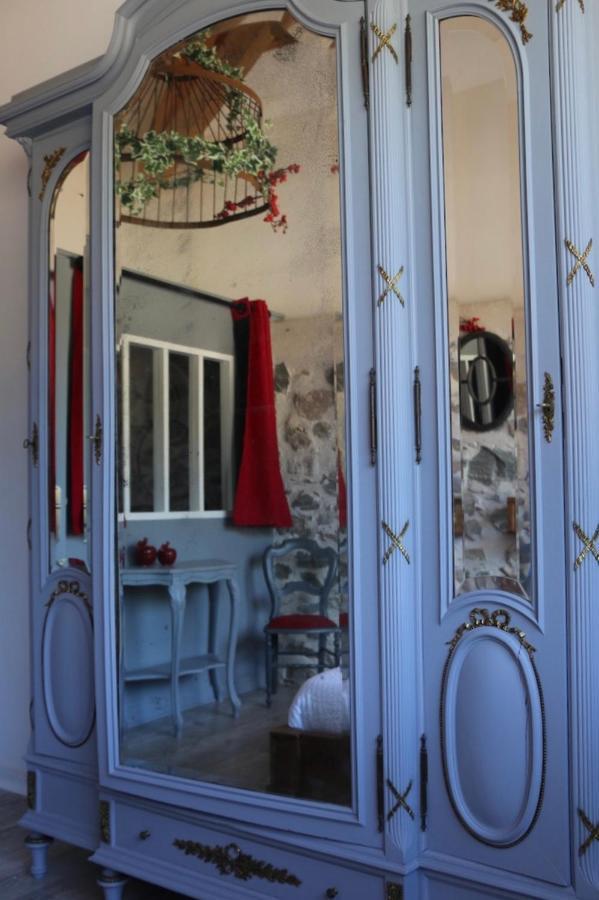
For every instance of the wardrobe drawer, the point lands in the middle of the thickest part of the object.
(256, 868)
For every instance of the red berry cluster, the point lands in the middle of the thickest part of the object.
(273, 217)
(471, 325)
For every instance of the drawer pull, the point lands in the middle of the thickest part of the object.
(331, 893)
(231, 860)
(144, 835)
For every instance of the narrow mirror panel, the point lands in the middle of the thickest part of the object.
(68, 369)
(486, 309)
(232, 528)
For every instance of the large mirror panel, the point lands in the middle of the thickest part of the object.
(232, 524)
(486, 309)
(68, 368)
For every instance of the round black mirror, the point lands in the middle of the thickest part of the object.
(486, 365)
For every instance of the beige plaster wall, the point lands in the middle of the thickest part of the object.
(484, 243)
(298, 273)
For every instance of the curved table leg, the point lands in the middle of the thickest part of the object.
(177, 594)
(212, 635)
(232, 646)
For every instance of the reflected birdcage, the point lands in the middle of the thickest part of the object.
(190, 149)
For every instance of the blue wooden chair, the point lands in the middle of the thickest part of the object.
(312, 619)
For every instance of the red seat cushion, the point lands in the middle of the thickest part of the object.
(300, 622)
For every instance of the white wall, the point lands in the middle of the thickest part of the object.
(38, 39)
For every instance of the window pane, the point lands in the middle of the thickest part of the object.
(179, 367)
(213, 482)
(141, 428)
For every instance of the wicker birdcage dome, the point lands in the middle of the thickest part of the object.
(190, 149)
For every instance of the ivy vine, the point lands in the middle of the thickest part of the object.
(159, 151)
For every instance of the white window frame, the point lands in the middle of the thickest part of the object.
(161, 401)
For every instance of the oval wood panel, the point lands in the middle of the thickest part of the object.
(493, 736)
(68, 669)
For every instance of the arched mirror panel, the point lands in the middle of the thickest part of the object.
(68, 369)
(232, 497)
(486, 309)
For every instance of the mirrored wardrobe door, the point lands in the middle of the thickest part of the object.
(238, 344)
(68, 347)
(64, 712)
(493, 580)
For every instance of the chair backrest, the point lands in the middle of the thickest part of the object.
(316, 556)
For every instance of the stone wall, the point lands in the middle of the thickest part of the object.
(490, 470)
(310, 406)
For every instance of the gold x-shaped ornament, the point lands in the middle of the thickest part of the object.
(581, 261)
(384, 41)
(396, 542)
(563, 3)
(391, 286)
(401, 801)
(589, 544)
(593, 832)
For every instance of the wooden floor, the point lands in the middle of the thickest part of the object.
(70, 875)
(213, 746)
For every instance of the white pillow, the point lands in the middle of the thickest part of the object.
(322, 704)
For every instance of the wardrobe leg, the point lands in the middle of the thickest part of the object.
(112, 883)
(38, 844)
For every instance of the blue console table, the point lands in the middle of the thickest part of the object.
(176, 579)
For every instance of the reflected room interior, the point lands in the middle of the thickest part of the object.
(233, 596)
(68, 367)
(485, 310)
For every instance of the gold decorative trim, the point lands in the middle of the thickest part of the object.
(31, 790)
(384, 41)
(70, 587)
(401, 801)
(548, 407)
(50, 160)
(589, 544)
(562, 3)
(391, 285)
(482, 618)
(581, 261)
(396, 542)
(394, 891)
(105, 821)
(593, 834)
(518, 14)
(230, 860)
(499, 618)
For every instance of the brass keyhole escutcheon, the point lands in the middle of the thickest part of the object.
(32, 444)
(97, 440)
(548, 407)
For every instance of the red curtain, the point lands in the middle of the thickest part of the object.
(52, 403)
(260, 495)
(75, 435)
